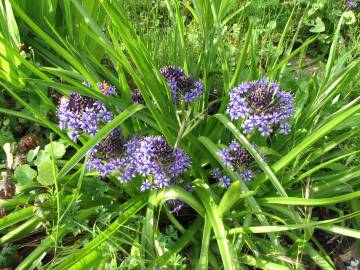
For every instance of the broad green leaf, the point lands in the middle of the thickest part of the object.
(32, 154)
(280, 228)
(47, 173)
(217, 224)
(349, 17)
(261, 263)
(58, 148)
(41, 157)
(312, 202)
(16, 216)
(24, 174)
(341, 230)
(319, 26)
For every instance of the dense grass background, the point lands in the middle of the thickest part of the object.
(301, 212)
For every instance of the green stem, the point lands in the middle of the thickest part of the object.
(147, 236)
(215, 219)
(204, 252)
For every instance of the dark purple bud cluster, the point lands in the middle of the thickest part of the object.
(137, 97)
(262, 105)
(237, 158)
(150, 157)
(351, 4)
(84, 115)
(182, 87)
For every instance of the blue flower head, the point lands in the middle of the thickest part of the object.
(182, 87)
(262, 106)
(80, 114)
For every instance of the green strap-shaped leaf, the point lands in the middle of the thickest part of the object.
(307, 142)
(16, 217)
(217, 224)
(310, 202)
(323, 224)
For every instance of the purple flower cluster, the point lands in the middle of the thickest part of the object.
(150, 157)
(351, 4)
(81, 114)
(262, 105)
(223, 179)
(182, 87)
(107, 156)
(237, 158)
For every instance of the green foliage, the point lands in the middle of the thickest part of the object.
(305, 191)
(8, 256)
(24, 174)
(47, 173)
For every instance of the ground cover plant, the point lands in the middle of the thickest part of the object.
(203, 134)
